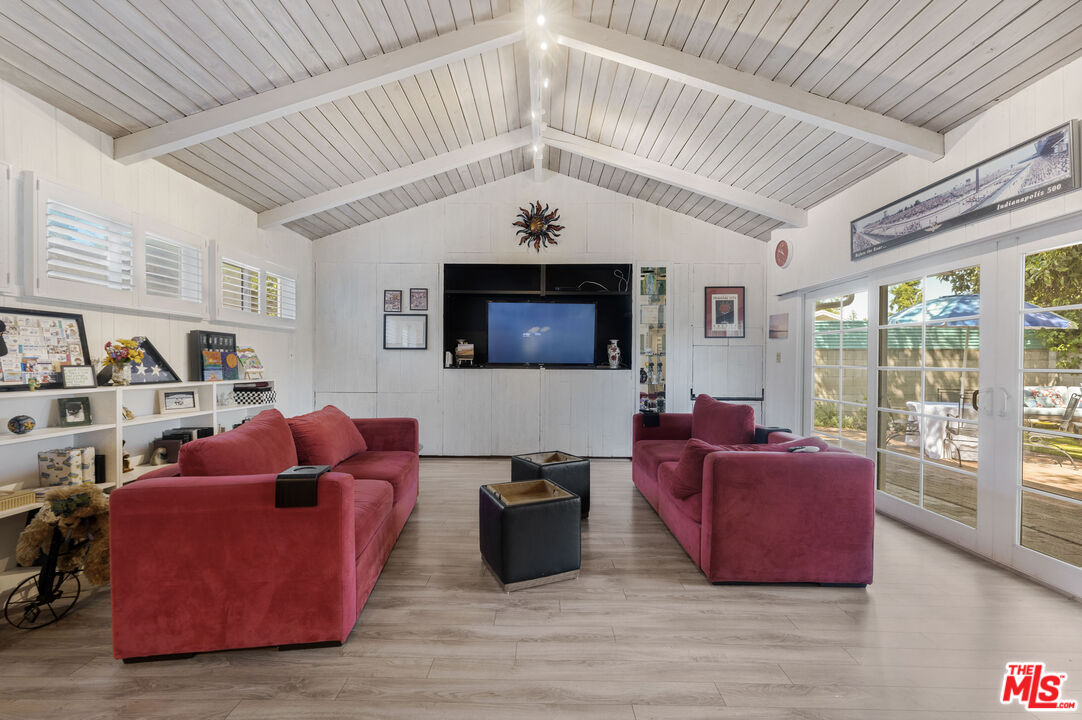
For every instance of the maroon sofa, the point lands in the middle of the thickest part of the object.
(202, 559)
(760, 514)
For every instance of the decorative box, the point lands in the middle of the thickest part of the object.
(66, 466)
(11, 499)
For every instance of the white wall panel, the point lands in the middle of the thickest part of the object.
(516, 411)
(467, 412)
(426, 407)
(349, 338)
(361, 405)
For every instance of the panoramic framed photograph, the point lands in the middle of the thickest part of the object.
(418, 298)
(171, 401)
(392, 301)
(1038, 169)
(74, 412)
(36, 344)
(405, 332)
(78, 376)
(724, 312)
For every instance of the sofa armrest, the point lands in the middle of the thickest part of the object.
(789, 517)
(389, 433)
(208, 563)
(672, 426)
(164, 471)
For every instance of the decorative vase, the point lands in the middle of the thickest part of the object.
(122, 374)
(21, 424)
(614, 354)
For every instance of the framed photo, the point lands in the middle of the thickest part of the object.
(392, 301)
(213, 356)
(153, 370)
(36, 344)
(405, 332)
(779, 327)
(418, 298)
(78, 376)
(171, 401)
(724, 312)
(74, 412)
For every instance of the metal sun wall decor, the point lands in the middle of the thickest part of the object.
(537, 226)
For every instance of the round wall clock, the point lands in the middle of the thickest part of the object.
(783, 253)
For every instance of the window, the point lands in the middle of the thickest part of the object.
(82, 247)
(281, 297)
(840, 370)
(240, 287)
(173, 269)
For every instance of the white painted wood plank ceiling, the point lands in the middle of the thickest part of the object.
(125, 66)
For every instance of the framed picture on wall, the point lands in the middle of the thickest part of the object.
(724, 312)
(405, 332)
(392, 301)
(36, 344)
(74, 412)
(418, 298)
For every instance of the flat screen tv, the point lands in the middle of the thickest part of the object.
(541, 333)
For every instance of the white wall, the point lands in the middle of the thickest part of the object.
(36, 136)
(497, 411)
(821, 250)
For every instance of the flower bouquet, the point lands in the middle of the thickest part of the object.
(121, 354)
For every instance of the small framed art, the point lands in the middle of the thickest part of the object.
(418, 298)
(176, 401)
(724, 312)
(405, 332)
(78, 376)
(392, 301)
(74, 412)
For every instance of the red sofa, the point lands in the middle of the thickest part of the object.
(202, 560)
(759, 516)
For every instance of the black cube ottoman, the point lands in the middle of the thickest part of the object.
(529, 533)
(570, 472)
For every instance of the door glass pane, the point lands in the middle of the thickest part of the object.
(828, 315)
(899, 477)
(854, 427)
(827, 383)
(1053, 527)
(855, 385)
(900, 389)
(1053, 278)
(825, 418)
(1052, 463)
(951, 494)
(828, 348)
(900, 433)
(945, 391)
(951, 442)
(952, 346)
(1053, 339)
(855, 347)
(1052, 401)
(900, 346)
(900, 303)
(953, 294)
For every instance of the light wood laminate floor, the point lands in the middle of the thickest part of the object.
(640, 634)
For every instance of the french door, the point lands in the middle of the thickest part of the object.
(974, 397)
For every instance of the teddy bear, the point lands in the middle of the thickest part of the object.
(78, 512)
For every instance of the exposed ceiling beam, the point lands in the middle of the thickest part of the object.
(395, 178)
(537, 71)
(319, 90)
(673, 176)
(747, 88)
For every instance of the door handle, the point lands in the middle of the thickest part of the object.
(1006, 402)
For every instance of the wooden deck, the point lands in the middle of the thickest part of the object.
(640, 634)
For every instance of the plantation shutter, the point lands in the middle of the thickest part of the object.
(86, 248)
(281, 297)
(173, 269)
(240, 287)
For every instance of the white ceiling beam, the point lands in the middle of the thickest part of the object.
(747, 88)
(535, 35)
(760, 204)
(395, 178)
(319, 90)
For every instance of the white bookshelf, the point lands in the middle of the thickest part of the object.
(108, 434)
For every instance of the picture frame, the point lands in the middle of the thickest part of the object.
(213, 355)
(723, 315)
(178, 401)
(405, 332)
(419, 299)
(36, 344)
(74, 412)
(779, 327)
(78, 376)
(392, 301)
(153, 370)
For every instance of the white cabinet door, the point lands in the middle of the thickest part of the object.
(516, 411)
(587, 412)
(467, 412)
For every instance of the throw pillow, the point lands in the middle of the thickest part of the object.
(688, 476)
(326, 437)
(720, 423)
(261, 445)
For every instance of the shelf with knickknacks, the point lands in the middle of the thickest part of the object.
(653, 287)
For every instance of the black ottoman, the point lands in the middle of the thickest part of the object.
(570, 472)
(529, 533)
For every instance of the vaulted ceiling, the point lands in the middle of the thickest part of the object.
(326, 114)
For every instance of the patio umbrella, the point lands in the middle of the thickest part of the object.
(942, 310)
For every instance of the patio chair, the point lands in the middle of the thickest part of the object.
(961, 435)
(1044, 442)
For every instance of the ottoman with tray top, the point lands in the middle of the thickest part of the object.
(529, 533)
(570, 472)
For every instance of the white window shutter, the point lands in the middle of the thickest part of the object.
(173, 270)
(85, 248)
(240, 287)
(280, 292)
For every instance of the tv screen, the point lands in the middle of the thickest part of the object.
(541, 333)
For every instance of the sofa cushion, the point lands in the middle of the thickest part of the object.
(691, 505)
(397, 467)
(649, 454)
(687, 474)
(261, 445)
(720, 423)
(326, 437)
(372, 501)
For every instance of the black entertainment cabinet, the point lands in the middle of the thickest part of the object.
(468, 288)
